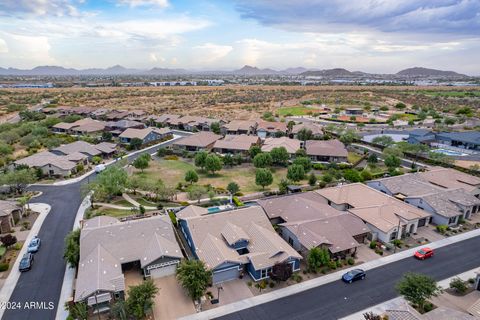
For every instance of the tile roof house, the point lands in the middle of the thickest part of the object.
(107, 246)
(52, 164)
(292, 145)
(452, 179)
(233, 144)
(267, 129)
(234, 242)
(165, 119)
(197, 141)
(382, 213)
(117, 127)
(84, 126)
(193, 123)
(420, 136)
(147, 135)
(316, 129)
(307, 221)
(239, 127)
(326, 151)
(467, 140)
(9, 212)
(447, 206)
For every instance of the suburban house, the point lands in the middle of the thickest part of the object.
(239, 127)
(383, 214)
(233, 243)
(447, 206)
(109, 247)
(52, 164)
(292, 145)
(147, 135)
(115, 115)
(307, 221)
(117, 127)
(193, 123)
(10, 212)
(197, 142)
(233, 144)
(452, 179)
(315, 129)
(165, 119)
(420, 136)
(469, 140)
(99, 113)
(86, 126)
(326, 151)
(266, 129)
(103, 149)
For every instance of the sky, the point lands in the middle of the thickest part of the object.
(380, 36)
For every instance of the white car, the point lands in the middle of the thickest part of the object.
(99, 168)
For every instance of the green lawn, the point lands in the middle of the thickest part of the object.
(122, 202)
(297, 111)
(353, 157)
(173, 171)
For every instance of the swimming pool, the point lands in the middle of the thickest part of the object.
(213, 209)
(449, 152)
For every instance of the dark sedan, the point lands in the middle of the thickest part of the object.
(26, 262)
(354, 275)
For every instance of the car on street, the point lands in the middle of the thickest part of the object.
(354, 275)
(423, 253)
(26, 262)
(34, 245)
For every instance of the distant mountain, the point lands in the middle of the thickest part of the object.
(250, 71)
(336, 72)
(297, 70)
(425, 72)
(166, 71)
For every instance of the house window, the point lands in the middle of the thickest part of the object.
(290, 241)
(452, 220)
(393, 236)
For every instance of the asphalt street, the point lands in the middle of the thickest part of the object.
(43, 283)
(338, 299)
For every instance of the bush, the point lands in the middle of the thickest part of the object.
(373, 244)
(350, 261)
(428, 307)
(459, 285)
(397, 243)
(319, 166)
(237, 202)
(271, 284)
(171, 157)
(379, 251)
(4, 267)
(441, 228)
(339, 264)
(332, 265)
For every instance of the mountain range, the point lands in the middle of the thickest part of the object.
(244, 71)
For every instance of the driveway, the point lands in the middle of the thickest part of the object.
(233, 291)
(171, 301)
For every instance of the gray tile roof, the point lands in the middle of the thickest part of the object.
(331, 148)
(236, 142)
(200, 139)
(7, 207)
(78, 146)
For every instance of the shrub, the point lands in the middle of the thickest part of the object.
(339, 264)
(237, 202)
(350, 261)
(173, 218)
(319, 166)
(397, 243)
(441, 228)
(379, 251)
(459, 285)
(373, 244)
(332, 265)
(271, 284)
(4, 267)
(428, 307)
(171, 157)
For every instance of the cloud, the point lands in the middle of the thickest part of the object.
(455, 17)
(26, 50)
(3, 46)
(139, 3)
(210, 52)
(59, 8)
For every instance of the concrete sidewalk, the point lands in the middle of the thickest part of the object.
(304, 286)
(392, 304)
(5, 293)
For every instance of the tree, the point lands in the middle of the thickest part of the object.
(418, 288)
(71, 253)
(119, 310)
(228, 160)
(140, 298)
(312, 179)
(392, 161)
(263, 177)
(233, 188)
(200, 158)
(140, 163)
(352, 175)
(254, 150)
(78, 311)
(459, 285)
(317, 257)
(385, 141)
(279, 156)
(196, 192)
(283, 186)
(134, 183)
(296, 172)
(213, 163)
(348, 136)
(400, 106)
(304, 134)
(135, 143)
(191, 176)
(300, 153)
(107, 136)
(372, 159)
(440, 157)
(366, 175)
(112, 181)
(215, 127)
(18, 180)
(262, 160)
(304, 162)
(194, 277)
(8, 240)
(290, 125)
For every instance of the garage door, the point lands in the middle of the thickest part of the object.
(226, 275)
(163, 271)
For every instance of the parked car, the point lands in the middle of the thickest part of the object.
(34, 245)
(26, 262)
(100, 168)
(423, 253)
(354, 275)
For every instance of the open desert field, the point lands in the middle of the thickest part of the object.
(243, 102)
